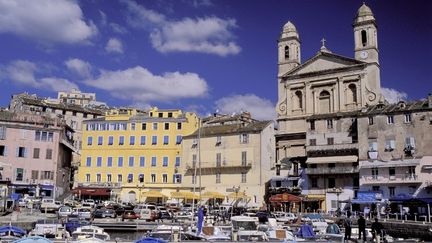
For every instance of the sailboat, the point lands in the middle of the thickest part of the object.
(11, 233)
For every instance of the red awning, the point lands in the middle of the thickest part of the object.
(92, 191)
(285, 197)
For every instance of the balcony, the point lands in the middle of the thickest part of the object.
(295, 190)
(208, 169)
(387, 179)
(332, 147)
(333, 170)
(100, 184)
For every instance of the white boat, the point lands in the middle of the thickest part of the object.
(90, 232)
(276, 232)
(11, 233)
(173, 233)
(246, 229)
(51, 229)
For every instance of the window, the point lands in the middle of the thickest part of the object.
(50, 137)
(375, 188)
(298, 100)
(374, 173)
(89, 140)
(144, 126)
(141, 178)
(142, 161)
(179, 126)
(100, 140)
(131, 161)
(109, 161)
(177, 178)
(133, 126)
(392, 172)
(312, 142)
(407, 118)
(2, 133)
(36, 153)
(119, 178)
(243, 177)
(120, 162)
(34, 174)
(324, 102)
(130, 178)
(331, 182)
(352, 93)
(390, 119)
(373, 146)
(391, 191)
(155, 126)
(165, 140)
(121, 140)
(109, 178)
(132, 140)
(286, 52)
(143, 140)
(154, 140)
(165, 161)
(160, 114)
(48, 154)
(88, 162)
(312, 125)
(110, 140)
(314, 182)
(153, 162)
(164, 178)
(99, 162)
(390, 145)
(244, 158)
(170, 114)
(364, 37)
(177, 161)
(329, 123)
(218, 159)
(98, 177)
(47, 175)
(356, 182)
(244, 138)
(218, 178)
(179, 139)
(166, 126)
(409, 143)
(87, 177)
(3, 150)
(19, 174)
(371, 120)
(330, 141)
(153, 178)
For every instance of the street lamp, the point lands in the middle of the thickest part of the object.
(235, 189)
(338, 191)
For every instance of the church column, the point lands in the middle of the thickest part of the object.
(332, 100)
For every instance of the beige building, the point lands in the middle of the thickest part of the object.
(76, 97)
(233, 155)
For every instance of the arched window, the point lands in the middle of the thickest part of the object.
(298, 100)
(324, 102)
(286, 52)
(352, 93)
(364, 37)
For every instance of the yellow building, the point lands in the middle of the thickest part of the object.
(132, 155)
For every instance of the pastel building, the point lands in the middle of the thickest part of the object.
(132, 155)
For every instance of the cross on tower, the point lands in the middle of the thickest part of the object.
(323, 41)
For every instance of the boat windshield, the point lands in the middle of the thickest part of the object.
(251, 238)
(244, 225)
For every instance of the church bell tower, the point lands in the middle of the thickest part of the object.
(288, 49)
(365, 36)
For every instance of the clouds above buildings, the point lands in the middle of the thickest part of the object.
(46, 21)
(393, 96)
(80, 67)
(211, 35)
(261, 109)
(114, 45)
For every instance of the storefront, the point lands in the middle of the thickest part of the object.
(314, 203)
(285, 202)
(82, 193)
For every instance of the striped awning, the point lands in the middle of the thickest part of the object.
(184, 195)
(216, 195)
(332, 159)
(153, 193)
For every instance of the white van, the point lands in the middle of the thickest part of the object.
(139, 207)
(147, 214)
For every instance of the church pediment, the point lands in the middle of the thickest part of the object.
(324, 61)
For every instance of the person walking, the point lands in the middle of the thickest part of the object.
(361, 222)
(377, 230)
(347, 226)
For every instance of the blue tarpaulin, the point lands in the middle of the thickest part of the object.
(13, 229)
(365, 198)
(151, 240)
(306, 231)
(200, 220)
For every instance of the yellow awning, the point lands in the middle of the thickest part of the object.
(185, 195)
(332, 159)
(153, 193)
(210, 194)
(238, 195)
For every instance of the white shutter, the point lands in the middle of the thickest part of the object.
(392, 144)
(412, 142)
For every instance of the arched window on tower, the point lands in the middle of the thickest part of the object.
(286, 52)
(324, 102)
(352, 94)
(364, 37)
(298, 100)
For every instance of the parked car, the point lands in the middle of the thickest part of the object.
(285, 217)
(104, 213)
(82, 213)
(50, 205)
(90, 202)
(130, 215)
(71, 203)
(64, 211)
(22, 202)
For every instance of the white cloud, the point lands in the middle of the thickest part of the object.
(24, 73)
(114, 45)
(141, 86)
(210, 35)
(79, 67)
(46, 21)
(261, 109)
(116, 28)
(393, 96)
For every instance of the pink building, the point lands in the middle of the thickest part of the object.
(35, 154)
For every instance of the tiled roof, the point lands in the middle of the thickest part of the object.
(219, 130)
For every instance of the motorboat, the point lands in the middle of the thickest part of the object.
(215, 233)
(246, 229)
(90, 232)
(33, 239)
(333, 232)
(50, 228)
(319, 224)
(173, 233)
(276, 232)
(11, 233)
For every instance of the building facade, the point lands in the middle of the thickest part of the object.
(132, 154)
(230, 155)
(35, 154)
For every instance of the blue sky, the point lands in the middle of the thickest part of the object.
(196, 55)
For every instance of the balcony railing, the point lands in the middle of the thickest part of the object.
(283, 189)
(208, 169)
(333, 170)
(390, 179)
(343, 146)
(101, 184)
